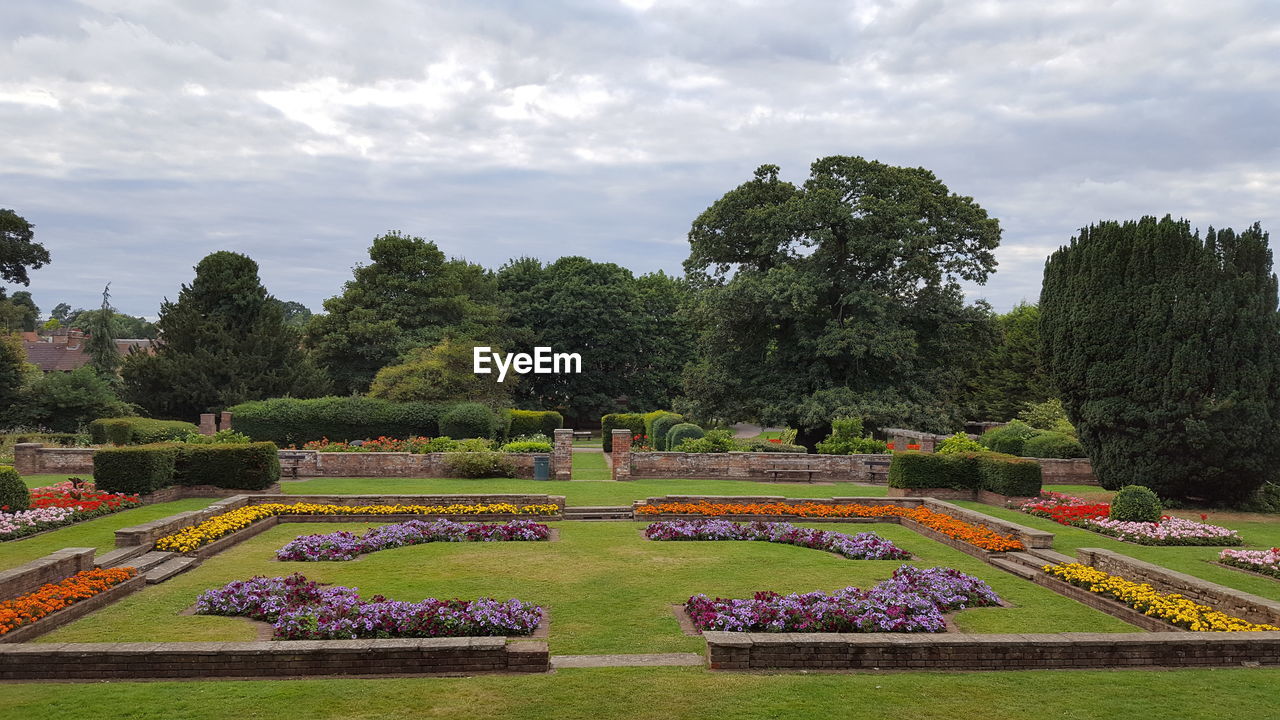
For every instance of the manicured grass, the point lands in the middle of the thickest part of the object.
(588, 442)
(590, 466)
(672, 694)
(35, 481)
(607, 588)
(579, 493)
(96, 533)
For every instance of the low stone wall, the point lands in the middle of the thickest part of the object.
(182, 492)
(757, 466)
(36, 459)
(955, 651)
(74, 612)
(983, 496)
(1031, 537)
(51, 568)
(1075, 471)
(148, 532)
(146, 661)
(1230, 601)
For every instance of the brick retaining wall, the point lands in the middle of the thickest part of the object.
(51, 568)
(756, 466)
(954, 651)
(74, 612)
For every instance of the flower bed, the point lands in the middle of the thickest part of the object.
(913, 600)
(62, 504)
(1266, 562)
(380, 444)
(1170, 607)
(979, 536)
(302, 609)
(863, 546)
(195, 536)
(344, 545)
(1078, 512)
(48, 599)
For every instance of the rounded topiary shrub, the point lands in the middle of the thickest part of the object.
(681, 432)
(1009, 439)
(1135, 503)
(959, 443)
(661, 426)
(13, 492)
(1053, 445)
(467, 420)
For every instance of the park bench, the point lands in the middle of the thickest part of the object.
(581, 434)
(290, 462)
(878, 470)
(792, 468)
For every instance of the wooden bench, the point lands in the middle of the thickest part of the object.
(581, 434)
(290, 462)
(792, 467)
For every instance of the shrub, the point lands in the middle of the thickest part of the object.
(14, 496)
(134, 469)
(444, 443)
(1053, 445)
(846, 438)
(473, 445)
(766, 446)
(1009, 475)
(914, 469)
(479, 465)
(528, 422)
(1135, 503)
(681, 432)
(634, 422)
(1048, 415)
(288, 421)
(1009, 439)
(222, 437)
(138, 431)
(467, 420)
(661, 425)
(714, 441)
(247, 466)
(527, 446)
(959, 443)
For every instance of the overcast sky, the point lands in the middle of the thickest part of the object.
(140, 135)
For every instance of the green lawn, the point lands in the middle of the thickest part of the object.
(607, 588)
(34, 481)
(590, 466)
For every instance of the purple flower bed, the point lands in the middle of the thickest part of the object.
(913, 600)
(302, 609)
(344, 545)
(863, 546)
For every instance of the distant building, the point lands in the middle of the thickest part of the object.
(63, 350)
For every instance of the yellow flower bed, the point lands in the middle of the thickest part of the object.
(195, 536)
(1171, 607)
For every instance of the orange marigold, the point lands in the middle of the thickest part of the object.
(48, 599)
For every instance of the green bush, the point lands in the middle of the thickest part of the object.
(135, 468)
(959, 443)
(681, 432)
(1008, 439)
(1135, 503)
(247, 466)
(915, 469)
(1053, 445)
(479, 465)
(14, 496)
(1007, 475)
(528, 422)
(633, 422)
(661, 426)
(468, 420)
(766, 446)
(714, 441)
(222, 437)
(138, 431)
(1048, 415)
(527, 446)
(846, 438)
(288, 421)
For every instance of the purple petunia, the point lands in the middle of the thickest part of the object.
(863, 546)
(344, 545)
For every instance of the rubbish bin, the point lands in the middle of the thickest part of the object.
(542, 467)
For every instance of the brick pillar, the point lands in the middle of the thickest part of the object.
(926, 443)
(622, 454)
(562, 454)
(224, 421)
(207, 424)
(26, 458)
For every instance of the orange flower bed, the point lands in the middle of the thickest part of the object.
(979, 536)
(26, 609)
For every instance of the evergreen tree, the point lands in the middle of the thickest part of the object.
(1011, 376)
(101, 345)
(1164, 349)
(13, 372)
(223, 342)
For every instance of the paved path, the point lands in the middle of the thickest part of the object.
(643, 660)
(746, 430)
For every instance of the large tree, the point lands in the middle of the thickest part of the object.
(13, 372)
(1165, 348)
(841, 296)
(1012, 375)
(222, 342)
(19, 251)
(444, 372)
(410, 295)
(633, 344)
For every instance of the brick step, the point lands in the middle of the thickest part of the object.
(598, 516)
(1012, 566)
(119, 556)
(598, 512)
(1051, 556)
(169, 568)
(150, 560)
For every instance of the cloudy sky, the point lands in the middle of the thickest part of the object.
(140, 135)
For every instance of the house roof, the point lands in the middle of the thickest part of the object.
(56, 358)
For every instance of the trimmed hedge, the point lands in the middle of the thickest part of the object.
(251, 466)
(288, 421)
(14, 496)
(468, 420)
(662, 425)
(138, 430)
(528, 422)
(618, 421)
(681, 432)
(1020, 477)
(479, 465)
(1010, 439)
(994, 472)
(135, 468)
(766, 446)
(1049, 444)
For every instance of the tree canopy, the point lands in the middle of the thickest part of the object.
(19, 252)
(1012, 375)
(441, 373)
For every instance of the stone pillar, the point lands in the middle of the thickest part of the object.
(926, 443)
(622, 454)
(26, 458)
(562, 454)
(207, 424)
(224, 421)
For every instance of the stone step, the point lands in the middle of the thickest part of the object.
(598, 516)
(119, 556)
(1051, 556)
(598, 508)
(1012, 566)
(150, 560)
(169, 568)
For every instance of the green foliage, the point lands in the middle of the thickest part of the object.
(138, 431)
(846, 438)
(14, 496)
(766, 446)
(289, 421)
(1018, 477)
(959, 443)
(1162, 346)
(714, 441)
(409, 296)
(122, 326)
(243, 466)
(633, 422)
(995, 472)
(527, 446)
(1053, 445)
(1011, 375)
(441, 373)
(13, 371)
(1048, 415)
(104, 356)
(839, 297)
(528, 422)
(1135, 503)
(222, 343)
(19, 312)
(136, 468)
(682, 432)
(222, 437)
(18, 249)
(67, 401)
(661, 426)
(479, 465)
(295, 314)
(1009, 439)
(468, 420)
